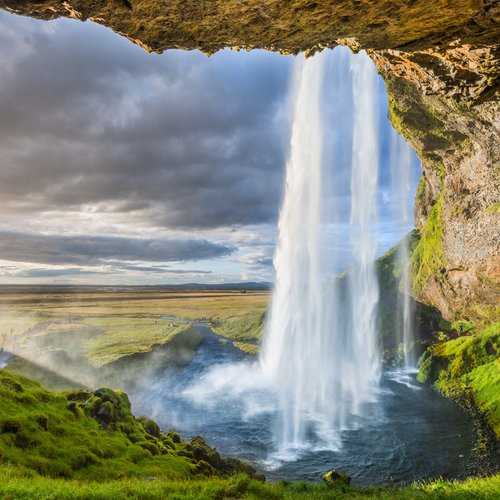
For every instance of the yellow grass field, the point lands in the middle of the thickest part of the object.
(115, 323)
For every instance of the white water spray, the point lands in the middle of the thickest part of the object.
(295, 329)
(322, 362)
(401, 162)
(364, 180)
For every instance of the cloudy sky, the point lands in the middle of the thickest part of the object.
(118, 166)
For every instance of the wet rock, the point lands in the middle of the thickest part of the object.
(12, 425)
(202, 452)
(105, 413)
(337, 477)
(174, 437)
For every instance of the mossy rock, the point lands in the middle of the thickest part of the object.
(150, 426)
(174, 437)
(336, 477)
(202, 452)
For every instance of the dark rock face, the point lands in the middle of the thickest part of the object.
(441, 66)
(453, 124)
(277, 24)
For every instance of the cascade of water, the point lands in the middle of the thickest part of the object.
(322, 362)
(364, 180)
(401, 162)
(294, 329)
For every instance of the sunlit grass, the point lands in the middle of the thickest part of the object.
(468, 365)
(242, 327)
(125, 335)
(41, 432)
(19, 484)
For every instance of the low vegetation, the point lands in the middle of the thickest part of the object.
(467, 366)
(88, 445)
(98, 328)
(124, 335)
(19, 484)
(92, 435)
(242, 327)
(428, 255)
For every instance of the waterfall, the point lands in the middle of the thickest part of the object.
(292, 349)
(321, 356)
(401, 163)
(364, 180)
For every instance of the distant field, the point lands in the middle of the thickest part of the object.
(96, 327)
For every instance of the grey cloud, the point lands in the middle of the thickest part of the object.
(86, 118)
(98, 250)
(163, 270)
(76, 271)
(53, 273)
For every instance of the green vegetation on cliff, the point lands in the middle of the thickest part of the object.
(468, 366)
(427, 258)
(89, 435)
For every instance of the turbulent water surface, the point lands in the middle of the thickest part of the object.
(410, 433)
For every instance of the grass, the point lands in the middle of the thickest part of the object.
(248, 348)
(55, 446)
(125, 335)
(103, 327)
(54, 434)
(493, 209)
(468, 365)
(21, 484)
(48, 378)
(192, 306)
(427, 258)
(242, 327)
(13, 324)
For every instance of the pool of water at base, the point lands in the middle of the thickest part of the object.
(409, 433)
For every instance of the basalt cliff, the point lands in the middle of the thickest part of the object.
(440, 61)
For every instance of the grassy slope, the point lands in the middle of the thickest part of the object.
(242, 327)
(469, 365)
(52, 446)
(56, 435)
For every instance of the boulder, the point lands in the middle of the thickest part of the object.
(337, 477)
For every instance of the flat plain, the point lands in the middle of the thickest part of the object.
(89, 327)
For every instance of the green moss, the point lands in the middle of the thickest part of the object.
(420, 192)
(50, 454)
(427, 259)
(82, 434)
(468, 365)
(493, 209)
(485, 384)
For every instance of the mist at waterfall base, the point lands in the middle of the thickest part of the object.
(317, 397)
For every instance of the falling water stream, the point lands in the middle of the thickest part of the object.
(317, 397)
(323, 370)
(400, 163)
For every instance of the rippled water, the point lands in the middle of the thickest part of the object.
(409, 433)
